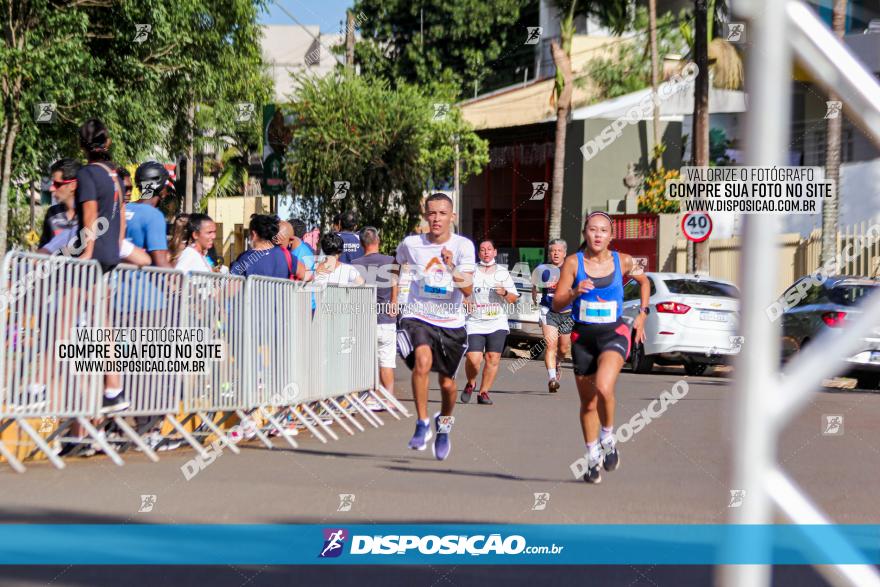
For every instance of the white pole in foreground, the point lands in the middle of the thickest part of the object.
(754, 439)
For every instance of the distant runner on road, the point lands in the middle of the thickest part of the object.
(431, 334)
(556, 325)
(487, 325)
(592, 281)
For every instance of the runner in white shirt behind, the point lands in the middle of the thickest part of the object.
(487, 326)
(330, 270)
(431, 334)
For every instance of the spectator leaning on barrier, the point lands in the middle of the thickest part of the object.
(61, 223)
(198, 236)
(331, 270)
(146, 224)
(99, 204)
(99, 197)
(264, 257)
(352, 248)
(383, 279)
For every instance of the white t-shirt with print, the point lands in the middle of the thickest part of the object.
(433, 298)
(191, 260)
(489, 313)
(343, 275)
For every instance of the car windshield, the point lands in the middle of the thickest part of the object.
(701, 287)
(850, 294)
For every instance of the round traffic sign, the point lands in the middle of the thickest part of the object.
(696, 226)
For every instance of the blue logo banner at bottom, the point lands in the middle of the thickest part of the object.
(454, 544)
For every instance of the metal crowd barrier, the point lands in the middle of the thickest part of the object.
(43, 299)
(147, 298)
(285, 361)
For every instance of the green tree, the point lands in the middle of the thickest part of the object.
(386, 142)
(464, 41)
(629, 68)
(86, 58)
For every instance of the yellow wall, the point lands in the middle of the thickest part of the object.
(232, 216)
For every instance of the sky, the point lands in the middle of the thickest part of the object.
(325, 13)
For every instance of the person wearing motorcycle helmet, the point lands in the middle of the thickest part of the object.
(145, 224)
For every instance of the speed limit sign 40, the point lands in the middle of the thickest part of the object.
(696, 226)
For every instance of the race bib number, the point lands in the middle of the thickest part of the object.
(598, 312)
(488, 311)
(437, 292)
(444, 424)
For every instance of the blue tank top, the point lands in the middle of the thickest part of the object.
(548, 292)
(604, 303)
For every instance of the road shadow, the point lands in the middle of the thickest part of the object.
(486, 474)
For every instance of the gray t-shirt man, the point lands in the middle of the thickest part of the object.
(375, 268)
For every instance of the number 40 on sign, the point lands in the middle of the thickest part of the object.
(696, 226)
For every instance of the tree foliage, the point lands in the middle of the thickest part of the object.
(84, 57)
(384, 141)
(464, 41)
(653, 198)
(628, 69)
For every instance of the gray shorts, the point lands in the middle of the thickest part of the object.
(561, 321)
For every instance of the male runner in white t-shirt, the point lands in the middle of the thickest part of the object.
(431, 334)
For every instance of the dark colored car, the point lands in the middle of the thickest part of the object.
(830, 305)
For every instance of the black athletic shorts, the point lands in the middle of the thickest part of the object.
(448, 345)
(591, 340)
(489, 343)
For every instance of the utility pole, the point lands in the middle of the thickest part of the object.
(700, 138)
(349, 39)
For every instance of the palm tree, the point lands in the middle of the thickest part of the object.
(832, 150)
(655, 80)
(612, 13)
(726, 67)
(562, 91)
(230, 173)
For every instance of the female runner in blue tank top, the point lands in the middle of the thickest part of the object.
(592, 281)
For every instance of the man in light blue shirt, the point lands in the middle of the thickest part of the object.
(300, 248)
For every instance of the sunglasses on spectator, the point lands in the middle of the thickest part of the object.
(59, 184)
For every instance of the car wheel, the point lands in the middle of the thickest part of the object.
(641, 363)
(695, 369)
(868, 380)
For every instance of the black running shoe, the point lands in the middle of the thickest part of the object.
(466, 393)
(593, 475)
(612, 460)
(484, 398)
(610, 454)
(553, 386)
(114, 404)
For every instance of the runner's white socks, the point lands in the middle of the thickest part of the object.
(594, 453)
(551, 373)
(607, 439)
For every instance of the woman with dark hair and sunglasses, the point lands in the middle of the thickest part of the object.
(592, 281)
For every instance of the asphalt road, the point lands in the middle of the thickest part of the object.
(673, 471)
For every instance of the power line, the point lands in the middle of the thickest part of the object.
(308, 32)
